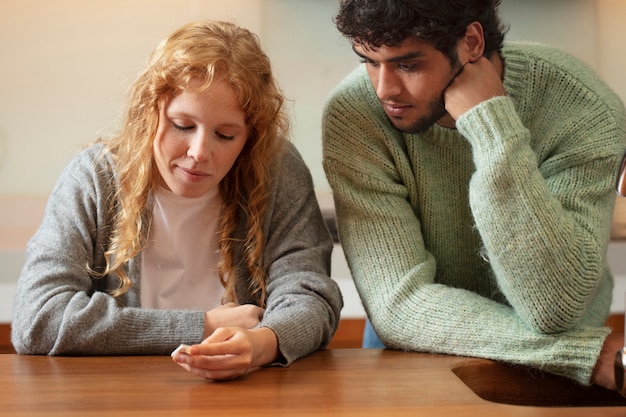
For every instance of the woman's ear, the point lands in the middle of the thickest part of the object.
(473, 43)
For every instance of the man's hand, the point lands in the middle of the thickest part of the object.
(476, 82)
(603, 373)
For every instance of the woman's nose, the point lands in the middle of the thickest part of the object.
(199, 148)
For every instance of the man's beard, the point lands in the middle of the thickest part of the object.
(437, 109)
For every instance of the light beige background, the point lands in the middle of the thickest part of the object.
(66, 64)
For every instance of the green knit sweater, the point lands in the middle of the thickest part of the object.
(490, 240)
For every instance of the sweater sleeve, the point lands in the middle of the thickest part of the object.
(59, 307)
(545, 224)
(303, 303)
(380, 231)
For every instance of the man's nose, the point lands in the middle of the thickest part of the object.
(387, 84)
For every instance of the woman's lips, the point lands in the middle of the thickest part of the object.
(193, 175)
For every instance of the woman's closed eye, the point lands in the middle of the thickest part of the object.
(181, 127)
(224, 136)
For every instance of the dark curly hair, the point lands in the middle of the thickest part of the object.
(441, 23)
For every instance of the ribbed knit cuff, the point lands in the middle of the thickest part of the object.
(493, 127)
(575, 356)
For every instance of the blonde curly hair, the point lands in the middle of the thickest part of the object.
(205, 51)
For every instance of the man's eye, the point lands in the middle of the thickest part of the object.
(406, 67)
(183, 128)
(368, 62)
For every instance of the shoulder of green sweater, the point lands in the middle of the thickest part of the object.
(524, 61)
(355, 82)
(535, 49)
(354, 91)
(353, 107)
(550, 55)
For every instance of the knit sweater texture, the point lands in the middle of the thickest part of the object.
(488, 240)
(60, 309)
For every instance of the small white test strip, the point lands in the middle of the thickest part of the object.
(182, 348)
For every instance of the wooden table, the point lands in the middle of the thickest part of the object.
(340, 382)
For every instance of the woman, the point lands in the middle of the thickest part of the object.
(196, 224)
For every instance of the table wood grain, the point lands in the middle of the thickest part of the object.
(340, 382)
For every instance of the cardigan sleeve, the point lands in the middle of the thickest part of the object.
(60, 308)
(303, 302)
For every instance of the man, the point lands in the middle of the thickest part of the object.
(474, 187)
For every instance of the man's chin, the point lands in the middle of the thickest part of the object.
(411, 128)
(420, 125)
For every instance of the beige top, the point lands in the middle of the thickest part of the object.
(179, 263)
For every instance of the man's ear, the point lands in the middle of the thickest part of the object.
(472, 45)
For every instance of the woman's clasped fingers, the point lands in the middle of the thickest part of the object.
(226, 354)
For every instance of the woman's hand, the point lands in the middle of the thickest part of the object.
(230, 352)
(246, 316)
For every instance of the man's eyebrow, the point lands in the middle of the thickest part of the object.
(400, 58)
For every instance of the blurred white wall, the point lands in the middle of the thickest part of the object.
(66, 65)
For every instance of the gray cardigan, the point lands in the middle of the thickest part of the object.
(60, 309)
